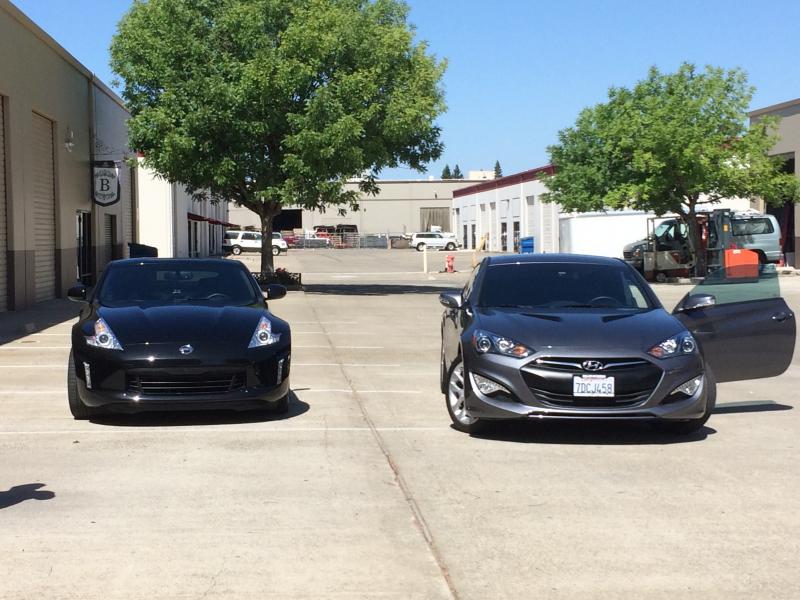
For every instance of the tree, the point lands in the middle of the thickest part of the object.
(672, 144)
(457, 173)
(270, 103)
(446, 174)
(498, 170)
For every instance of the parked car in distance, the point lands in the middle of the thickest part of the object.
(237, 242)
(585, 337)
(177, 334)
(312, 241)
(324, 230)
(434, 241)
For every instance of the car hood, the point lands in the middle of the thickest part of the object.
(633, 245)
(184, 323)
(593, 329)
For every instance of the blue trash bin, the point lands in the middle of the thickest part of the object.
(526, 245)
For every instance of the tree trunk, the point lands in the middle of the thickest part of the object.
(695, 242)
(267, 264)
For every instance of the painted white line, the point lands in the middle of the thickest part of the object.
(294, 364)
(342, 347)
(365, 273)
(33, 347)
(321, 322)
(300, 389)
(111, 430)
(59, 366)
(33, 392)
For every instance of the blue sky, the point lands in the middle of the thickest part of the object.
(521, 70)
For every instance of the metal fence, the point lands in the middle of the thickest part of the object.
(350, 241)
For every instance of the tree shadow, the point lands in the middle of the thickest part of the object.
(600, 433)
(21, 493)
(368, 289)
(749, 406)
(201, 417)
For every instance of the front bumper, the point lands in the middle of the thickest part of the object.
(156, 377)
(658, 403)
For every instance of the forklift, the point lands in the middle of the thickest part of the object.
(668, 252)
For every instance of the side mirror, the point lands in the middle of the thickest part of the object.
(77, 293)
(697, 301)
(275, 291)
(450, 300)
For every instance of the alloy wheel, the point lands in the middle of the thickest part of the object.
(456, 396)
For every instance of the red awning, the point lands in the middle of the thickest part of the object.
(194, 217)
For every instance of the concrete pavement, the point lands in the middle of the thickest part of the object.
(364, 491)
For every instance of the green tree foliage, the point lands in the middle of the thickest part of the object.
(457, 174)
(498, 170)
(446, 174)
(269, 103)
(673, 144)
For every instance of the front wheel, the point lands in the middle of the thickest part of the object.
(456, 396)
(420, 247)
(450, 247)
(236, 250)
(692, 425)
(78, 409)
(275, 251)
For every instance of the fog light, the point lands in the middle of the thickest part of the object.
(87, 371)
(690, 387)
(487, 386)
(280, 370)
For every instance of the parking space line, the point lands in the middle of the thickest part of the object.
(40, 366)
(110, 430)
(32, 347)
(342, 347)
(294, 364)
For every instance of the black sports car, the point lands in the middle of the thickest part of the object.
(585, 337)
(169, 334)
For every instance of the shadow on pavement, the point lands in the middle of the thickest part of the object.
(749, 406)
(605, 433)
(201, 417)
(376, 289)
(17, 324)
(21, 493)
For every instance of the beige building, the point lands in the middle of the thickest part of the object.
(55, 118)
(788, 148)
(401, 207)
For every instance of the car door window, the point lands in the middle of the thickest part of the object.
(728, 287)
(249, 237)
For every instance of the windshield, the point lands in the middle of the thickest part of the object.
(562, 285)
(154, 285)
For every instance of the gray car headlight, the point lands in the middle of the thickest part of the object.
(484, 342)
(683, 343)
(263, 335)
(103, 337)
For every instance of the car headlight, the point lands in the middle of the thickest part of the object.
(487, 386)
(683, 343)
(263, 335)
(103, 337)
(638, 252)
(484, 342)
(689, 388)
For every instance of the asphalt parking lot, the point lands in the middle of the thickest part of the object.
(364, 491)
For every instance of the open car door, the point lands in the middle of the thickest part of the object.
(744, 328)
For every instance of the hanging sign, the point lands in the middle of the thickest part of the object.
(105, 182)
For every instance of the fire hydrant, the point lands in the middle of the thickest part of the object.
(450, 263)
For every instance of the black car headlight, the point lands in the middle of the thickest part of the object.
(263, 335)
(103, 337)
(485, 342)
(677, 345)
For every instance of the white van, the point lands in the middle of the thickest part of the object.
(237, 242)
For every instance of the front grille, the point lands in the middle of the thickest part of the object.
(550, 380)
(627, 255)
(169, 384)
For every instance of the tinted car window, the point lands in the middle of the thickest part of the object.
(562, 285)
(153, 285)
(231, 235)
(729, 287)
(249, 236)
(752, 226)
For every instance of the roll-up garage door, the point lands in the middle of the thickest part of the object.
(3, 229)
(44, 210)
(126, 192)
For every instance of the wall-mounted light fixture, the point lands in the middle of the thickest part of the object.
(69, 140)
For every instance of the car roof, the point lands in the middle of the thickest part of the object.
(584, 259)
(177, 262)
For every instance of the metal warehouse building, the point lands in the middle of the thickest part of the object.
(55, 118)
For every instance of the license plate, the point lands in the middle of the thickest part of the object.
(592, 386)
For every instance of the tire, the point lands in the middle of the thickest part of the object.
(78, 409)
(276, 251)
(450, 247)
(420, 247)
(457, 378)
(661, 277)
(281, 407)
(236, 250)
(693, 425)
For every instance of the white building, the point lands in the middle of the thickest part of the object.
(505, 210)
(174, 223)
